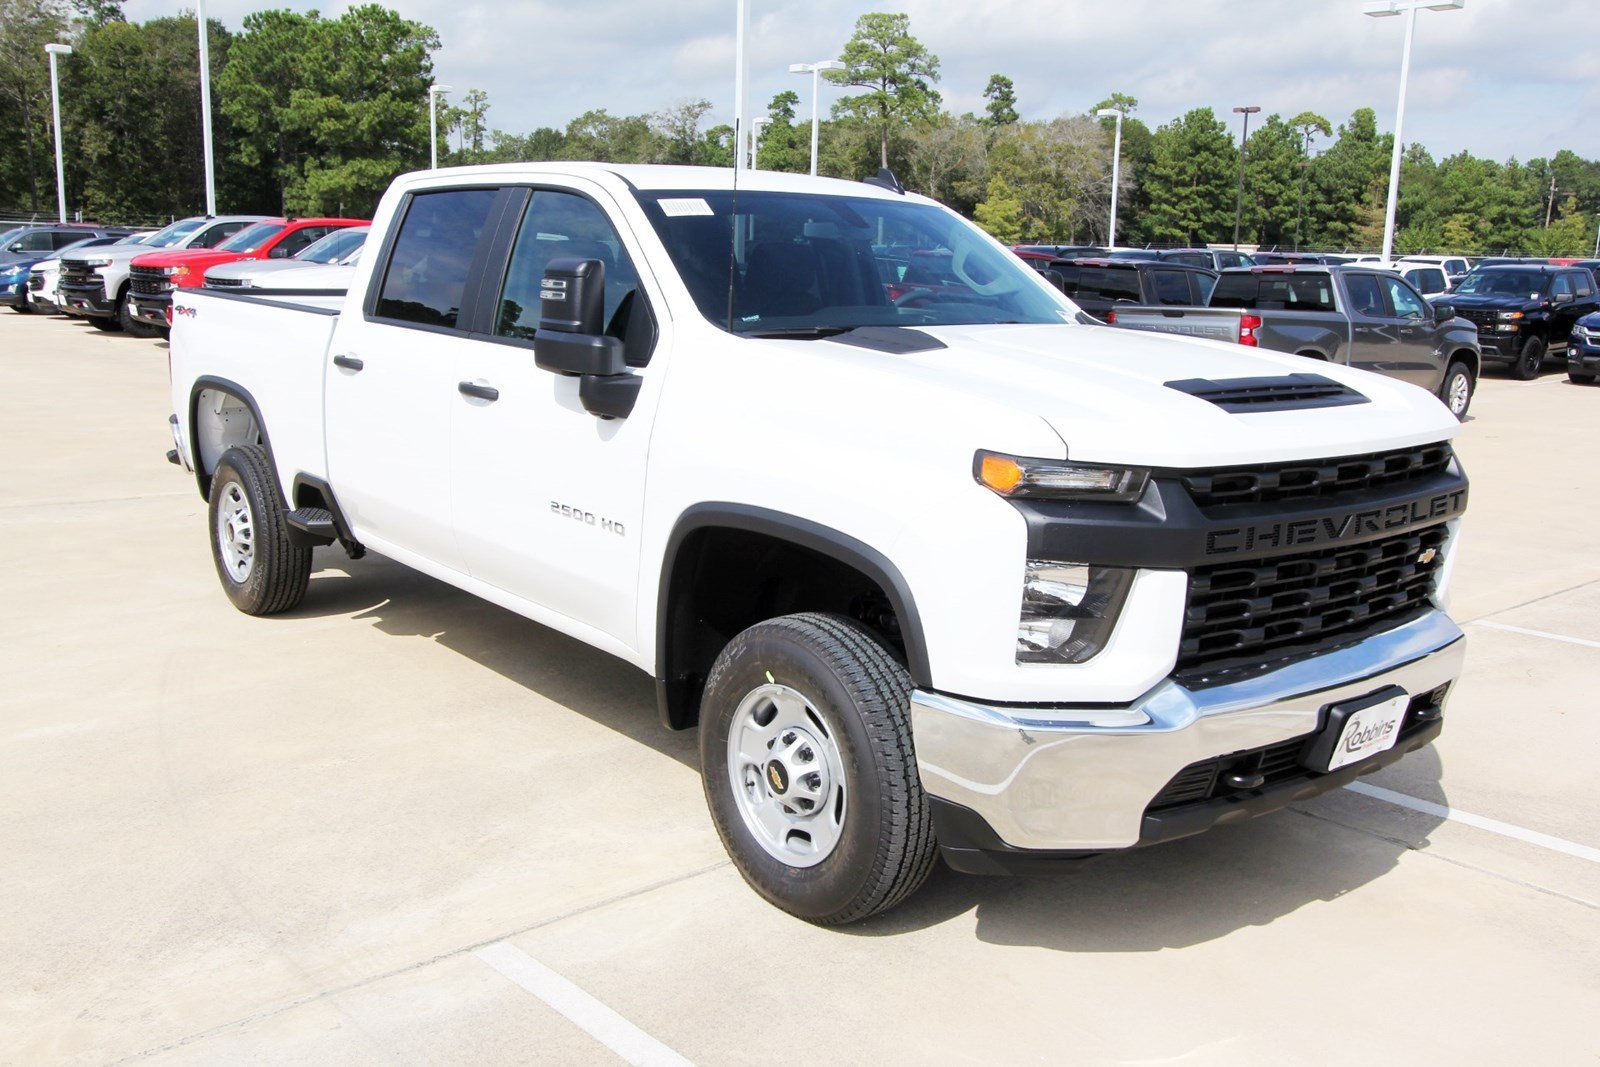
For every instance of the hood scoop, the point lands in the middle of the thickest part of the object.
(1288, 392)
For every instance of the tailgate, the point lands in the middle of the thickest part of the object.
(1214, 324)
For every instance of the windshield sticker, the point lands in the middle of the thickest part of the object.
(680, 207)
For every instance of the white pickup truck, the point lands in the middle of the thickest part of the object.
(935, 570)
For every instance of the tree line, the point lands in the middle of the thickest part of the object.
(317, 115)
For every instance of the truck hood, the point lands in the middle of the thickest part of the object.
(1474, 300)
(1104, 391)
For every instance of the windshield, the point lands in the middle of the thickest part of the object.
(334, 246)
(251, 237)
(1504, 283)
(173, 234)
(812, 265)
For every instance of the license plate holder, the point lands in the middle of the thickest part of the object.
(1357, 729)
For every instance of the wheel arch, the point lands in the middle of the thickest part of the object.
(1473, 360)
(215, 430)
(690, 619)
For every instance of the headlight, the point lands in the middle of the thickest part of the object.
(1509, 315)
(1011, 476)
(169, 271)
(96, 264)
(1069, 610)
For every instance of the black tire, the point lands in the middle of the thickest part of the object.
(1530, 361)
(1453, 393)
(885, 845)
(279, 570)
(105, 325)
(1578, 378)
(130, 325)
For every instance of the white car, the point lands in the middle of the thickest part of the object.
(1455, 267)
(339, 250)
(1427, 278)
(934, 570)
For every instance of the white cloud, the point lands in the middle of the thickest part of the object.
(1493, 78)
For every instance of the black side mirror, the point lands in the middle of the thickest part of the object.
(1444, 312)
(281, 252)
(571, 338)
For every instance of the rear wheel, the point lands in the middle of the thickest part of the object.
(1456, 392)
(809, 770)
(262, 570)
(1530, 361)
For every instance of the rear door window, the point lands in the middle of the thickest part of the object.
(1365, 296)
(1272, 291)
(37, 241)
(213, 236)
(1171, 287)
(426, 275)
(298, 241)
(1102, 283)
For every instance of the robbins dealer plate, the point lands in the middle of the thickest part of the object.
(1359, 728)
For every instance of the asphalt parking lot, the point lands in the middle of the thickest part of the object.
(400, 825)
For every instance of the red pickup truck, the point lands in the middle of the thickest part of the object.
(154, 276)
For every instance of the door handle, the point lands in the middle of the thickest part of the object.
(348, 362)
(481, 392)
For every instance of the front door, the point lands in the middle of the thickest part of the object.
(392, 374)
(1418, 355)
(549, 499)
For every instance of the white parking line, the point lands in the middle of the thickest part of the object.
(584, 1011)
(1537, 633)
(1494, 826)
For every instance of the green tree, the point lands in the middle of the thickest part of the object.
(785, 144)
(1348, 186)
(896, 70)
(332, 109)
(600, 135)
(678, 127)
(1308, 124)
(1271, 179)
(1002, 96)
(1000, 212)
(26, 26)
(1190, 180)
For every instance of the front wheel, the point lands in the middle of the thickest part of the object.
(130, 325)
(1530, 361)
(809, 769)
(1457, 390)
(261, 569)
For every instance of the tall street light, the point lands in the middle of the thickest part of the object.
(815, 70)
(1116, 160)
(1244, 138)
(55, 107)
(1384, 9)
(205, 107)
(433, 123)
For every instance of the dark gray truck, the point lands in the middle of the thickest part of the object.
(1359, 316)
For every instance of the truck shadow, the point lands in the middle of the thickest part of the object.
(1189, 891)
(406, 603)
(1184, 893)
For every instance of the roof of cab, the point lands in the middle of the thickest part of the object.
(650, 177)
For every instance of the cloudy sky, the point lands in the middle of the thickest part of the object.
(1500, 78)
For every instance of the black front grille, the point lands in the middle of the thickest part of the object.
(148, 281)
(1247, 617)
(77, 271)
(1316, 478)
(1480, 316)
(1258, 768)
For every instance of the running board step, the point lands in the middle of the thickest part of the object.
(315, 523)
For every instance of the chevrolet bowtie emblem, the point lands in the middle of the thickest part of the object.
(1428, 556)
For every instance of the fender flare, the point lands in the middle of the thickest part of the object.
(823, 540)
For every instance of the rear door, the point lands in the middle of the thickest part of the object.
(394, 365)
(548, 499)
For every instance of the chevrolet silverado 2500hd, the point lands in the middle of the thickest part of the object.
(946, 572)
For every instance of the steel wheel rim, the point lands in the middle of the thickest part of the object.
(787, 776)
(1460, 389)
(236, 532)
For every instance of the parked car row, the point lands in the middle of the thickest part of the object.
(119, 281)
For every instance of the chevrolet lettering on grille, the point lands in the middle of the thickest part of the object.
(1333, 529)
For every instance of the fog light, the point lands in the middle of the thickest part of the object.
(1069, 610)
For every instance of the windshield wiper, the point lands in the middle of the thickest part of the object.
(799, 333)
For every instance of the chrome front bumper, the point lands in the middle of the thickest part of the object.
(1080, 778)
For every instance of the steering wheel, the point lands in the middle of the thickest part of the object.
(905, 299)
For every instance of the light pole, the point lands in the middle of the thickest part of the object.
(1408, 8)
(1244, 138)
(1116, 160)
(815, 70)
(55, 107)
(755, 141)
(433, 123)
(205, 107)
